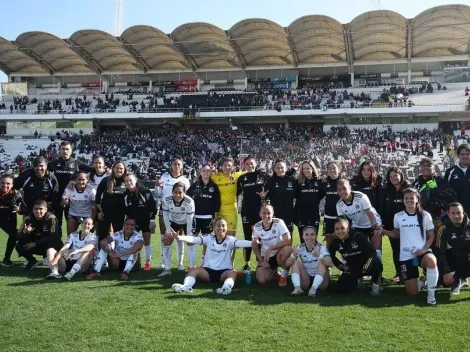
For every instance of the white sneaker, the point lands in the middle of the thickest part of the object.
(181, 288)
(224, 290)
(24, 263)
(164, 273)
(312, 292)
(421, 283)
(431, 300)
(297, 291)
(161, 266)
(464, 283)
(68, 276)
(181, 268)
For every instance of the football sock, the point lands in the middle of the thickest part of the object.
(192, 256)
(317, 281)
(148, 253)
(102, 255)
(189, 281)
(432, 276)
(180, 246)
(295, 280)
(167, 257)
(130, 262)
(284, 273)
(228, 283)
(379, 254)
(75, 269)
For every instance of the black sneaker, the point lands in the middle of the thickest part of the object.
(455, 290)
(32, 264)
(7, 263)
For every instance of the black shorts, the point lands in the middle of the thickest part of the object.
(315, 223)
(273, 263)
(203, 226)
(215, 275)
(143, 226)
(69, 264)
(78, 219)
(248, 223)
(408, 271)
(177, 227)
(122, 265)
(328, 226)
(367, 231)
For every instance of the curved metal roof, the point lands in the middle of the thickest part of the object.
(318, 39)
(262, 42)
(104, 50)
(12, 59)
(154, 47)
(206, 45)
(315, 39)
(53, 52)
(379, 35)
(441, 31)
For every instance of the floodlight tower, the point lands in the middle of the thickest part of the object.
(118, 17)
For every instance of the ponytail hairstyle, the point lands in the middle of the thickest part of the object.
(112, 179)
(93, 171)
(418, 208)
(177, 158)
(373, 171)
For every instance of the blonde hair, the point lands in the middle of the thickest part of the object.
(301, 178)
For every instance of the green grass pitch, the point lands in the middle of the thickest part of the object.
(143, 314)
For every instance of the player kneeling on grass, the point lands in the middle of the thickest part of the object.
(359, 257)
(123, 248)
(311, 273)
(80, 245)
(217, 261)
(415, 229)
(272, 235)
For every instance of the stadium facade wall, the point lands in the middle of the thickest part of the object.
(394, 127)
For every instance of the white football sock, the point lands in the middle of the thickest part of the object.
(189, 281)
(55, 270)
(148, 253)
(75, 269)
(317, 281)
(284, 273)
(192, 256)
(167, 257)
(379, 254)
(180, 247)
(295, 280)
(162, 246)
(130, 262)
(102, 255)
(228, 283)
(432, 275)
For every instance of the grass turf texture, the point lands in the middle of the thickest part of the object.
(144, 314)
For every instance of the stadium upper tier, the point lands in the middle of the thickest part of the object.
(441, 31)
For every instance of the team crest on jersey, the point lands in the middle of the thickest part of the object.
(354, 245)
(289, 184)
(277, 186)
(244, 219)
(211, 189)
(72, 165)
(183, 209)
(245, 179)
(274, 232)
(357, 206)
(224, 245)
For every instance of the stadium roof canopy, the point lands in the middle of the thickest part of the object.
(442, 31)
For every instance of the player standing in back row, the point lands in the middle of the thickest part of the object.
(227, 183)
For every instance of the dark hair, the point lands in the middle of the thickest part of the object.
(454, 204)
(340, 169)
(463, 146)
(39, 160)
(75, 175)
(93, 171)
(40, 202)
(177, 158)
(219, 218)
(343, 218)
(418, 209)
(178, 185)
(131, 219)
(7, 176)
(373, 176)
(137, 182)
(248, 158)
(226, 159)
(309, 227)
(64, 143)
(399, 172)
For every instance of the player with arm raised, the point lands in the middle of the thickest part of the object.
(80, 246)
(218, 261)
(271, 244)
(178, 214)
(164, 186)
(311, 272)
(123, 248)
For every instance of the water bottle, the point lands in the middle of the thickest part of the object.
(415, 260)
(247, 277)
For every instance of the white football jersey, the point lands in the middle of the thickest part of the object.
(411, 237)
(81, 203)
(169, 181)
(355, 210)
(218, 255)
(97, 179)
(179, 213)
(309, 261)
(270, 237)
(77, 243)
(122, 245)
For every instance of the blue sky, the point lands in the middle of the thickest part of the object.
(63, 18)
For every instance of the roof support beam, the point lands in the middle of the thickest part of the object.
(183, 52)
(44, 64)
(236, 48)
(348, 43)
(140, 61)
(85, 56)
(293, 50)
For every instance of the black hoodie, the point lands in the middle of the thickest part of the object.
(454, 242)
